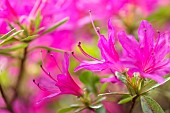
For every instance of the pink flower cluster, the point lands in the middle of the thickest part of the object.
(147, 54)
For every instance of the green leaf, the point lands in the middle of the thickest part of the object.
(90, 81)
(65, 110)
(14, 48)
(38, 20)
(4, 79)
(153, 84)
(9, 55)
(113, 93)
(47, 48)
(24, 28)
(7, 34)
(101, 110)
(161, 15)
(98, 100)
(121, 77)
(150, 106)
(84, 77)
(125, 100)
(96, 106)
(29, 38)
(55, 26)
(10, 25)
(9, 42)
(103, 87)
(10, 37)
(72, 107)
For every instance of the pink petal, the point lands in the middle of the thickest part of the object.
(155, 77)
(130, 45)
(48, 97)
(146, 37)
(92, 65)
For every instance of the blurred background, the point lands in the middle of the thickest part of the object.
(35, 16)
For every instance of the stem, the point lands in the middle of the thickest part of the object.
(47, 48)
(9, 107)
(21, 74)
(133, 104)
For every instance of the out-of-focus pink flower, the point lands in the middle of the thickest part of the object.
(112, 107)
(3, 26)
(110, 57)
(13, 10)
(145, 5)
(112, 79)
(148, 55)
(63, 84)
(107, 7)
(25, 106)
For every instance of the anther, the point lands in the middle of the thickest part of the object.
(33, 80)
(79, 43)
(145, 29)
(75, 56)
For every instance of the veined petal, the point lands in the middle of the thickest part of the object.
(146, 37)
(111, 30)
(155, 77)
(107, 49)
(130, 45)
(12, 11)
(67, 85)
(92, 65)
(48, 97)
(112, 79)
(66, 63)
(162, 47)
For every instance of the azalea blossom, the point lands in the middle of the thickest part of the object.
(110, 58)
(148, 56)
(62, 84)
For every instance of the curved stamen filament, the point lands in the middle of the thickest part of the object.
(158, 38)
(87, 55)
(39, 86)
(52, 56)
(96, 29)
(47, 73)
(75, 57)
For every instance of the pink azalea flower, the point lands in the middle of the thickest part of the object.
(26, 106)
(112, 107)
(148, 55)
(110, 58)
(62, 84)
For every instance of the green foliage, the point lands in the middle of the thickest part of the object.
(8, 34)
(121, 77)
(90, 81)
(150, 106)
(38, 20)
(127, 99)
(114, 93)
(14, 48)
(153, 84)
(10, 39)
(47, 48)
(29, 38)
(65, 110)
(101, 110)
(162, 15)
(103, 87)
(75, 107)
(4, 79)
(54, 27)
